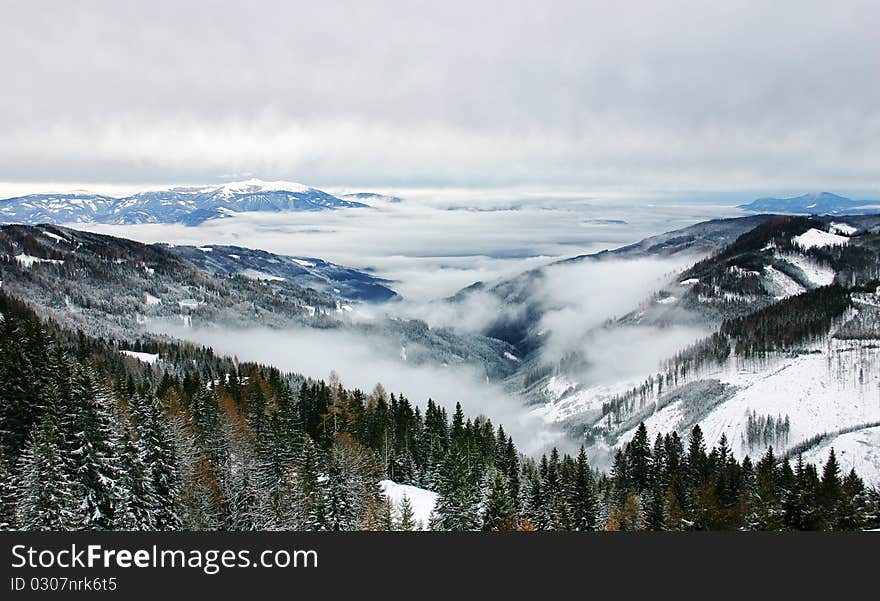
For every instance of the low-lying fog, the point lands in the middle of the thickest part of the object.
(432, 245)
(433, 249)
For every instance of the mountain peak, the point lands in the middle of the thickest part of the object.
(190, 205)
(253, 185)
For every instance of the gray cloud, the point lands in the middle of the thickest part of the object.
(672, 95)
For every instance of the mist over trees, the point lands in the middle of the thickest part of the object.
(92, 439)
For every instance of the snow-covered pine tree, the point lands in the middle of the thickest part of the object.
(157, 454)
(584, 495)
(458, 502)
(7, 494)
(92, 456)
(499, 512)
(135, 510)
(45, 500)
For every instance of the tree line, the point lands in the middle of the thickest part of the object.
(91, 439)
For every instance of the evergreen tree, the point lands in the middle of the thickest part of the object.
(7, 495)
(46, 498)
(638, 460)
(92, 459)
(830, 489)
(457, 504)
(584, 501)
(406, 521)
(157, 454)
(137, 497)
(499, 512)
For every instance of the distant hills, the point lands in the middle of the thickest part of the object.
(187, 205)
(817, 203)
(307, 272)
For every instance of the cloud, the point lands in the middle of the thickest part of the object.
(431, 252)
(578, 298)
(672, 95)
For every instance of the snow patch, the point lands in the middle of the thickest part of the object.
(783, 286)
(818, 275)
(422, 501)
(814, 238)
(253, 274)
(27, 261)
(843, 229)
(859, 450)
(145, 357)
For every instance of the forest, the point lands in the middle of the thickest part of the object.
(93, 439)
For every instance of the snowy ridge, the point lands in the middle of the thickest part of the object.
(187, 205)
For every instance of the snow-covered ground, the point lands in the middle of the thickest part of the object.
(843, 228)
(783, 285)
(422, 501)
(27, 260)
(813, 238)
(834, 387)
(859, 450)
(260, 275)
(818, 275)
(145, 357)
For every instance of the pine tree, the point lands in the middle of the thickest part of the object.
(157, 454)
(7, 495)
(92, 458)
(584, 501)
(830, 489)
(499, 512)
(852, 511)
(638, 459)
(386, 515)
(406, 521)
(46, 498)
(457, 504)
(136, 503)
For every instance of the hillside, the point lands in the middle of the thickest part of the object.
(110, 286)
(792, 362)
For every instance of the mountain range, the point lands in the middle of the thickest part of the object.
(187, 205)
(817, 203)
(787, 309)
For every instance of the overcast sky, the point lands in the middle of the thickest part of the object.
(671, 95)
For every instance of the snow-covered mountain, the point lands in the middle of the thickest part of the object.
(187, 205)
(791, 360)
(113, 287)
(816, 203)
(308, 272)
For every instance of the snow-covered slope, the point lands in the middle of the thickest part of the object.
(188, 205)
(794, 361)
(422, 501)
(308, 272)
(858, 450)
